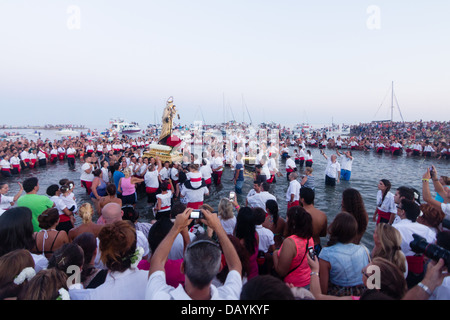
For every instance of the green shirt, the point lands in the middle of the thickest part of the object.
(37, 204)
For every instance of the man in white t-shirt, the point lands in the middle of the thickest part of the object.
(293, 191)
(87, 175)
(346, 164)
(217, 168)
(408, 211)
(202, 260)
(194, 197)
(259, 199)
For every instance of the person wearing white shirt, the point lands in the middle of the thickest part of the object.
(217, 168)
(25, 159)
(409, 211)
(259, 199)
(428, 150)
(290, 166)
(194, 197)
(293, 191)
(206, 172)
(151, 180)
(5, 166)
(15, 163)
(61, 152)
(346, 164)
(200, 265)
(301, 155)
(380, 147)
(417, 149)
(333, 170)
(396, 148)
(6, 202)
(71, 152)
(87, 175)
(265, 236)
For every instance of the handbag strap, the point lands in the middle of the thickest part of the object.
(292, 270)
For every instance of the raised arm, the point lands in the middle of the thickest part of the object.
(159, 258)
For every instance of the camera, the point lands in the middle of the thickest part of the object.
(232, 195)
(432, 251)
(312, 253)
(196, 214)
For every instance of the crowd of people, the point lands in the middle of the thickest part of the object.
(191, 250)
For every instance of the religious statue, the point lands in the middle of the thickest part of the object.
(169, 113)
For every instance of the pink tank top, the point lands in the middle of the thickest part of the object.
(300, 277)
(127, 187)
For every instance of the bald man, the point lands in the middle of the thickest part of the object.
(111, 213)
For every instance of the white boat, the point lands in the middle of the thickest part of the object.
(67, 132)
(120, 126)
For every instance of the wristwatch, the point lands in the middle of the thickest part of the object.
(425, 288)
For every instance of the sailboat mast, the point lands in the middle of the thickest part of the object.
(392, 102)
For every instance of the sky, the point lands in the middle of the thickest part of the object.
(287, 61)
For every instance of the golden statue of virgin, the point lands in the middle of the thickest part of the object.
(167, 121)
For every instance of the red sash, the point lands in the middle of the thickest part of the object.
(150, 190)
(6, 169)
(382, 214)
(61, 156)
(208, 181)
(289, 170)
(415, 264)
(165, 208)
(194, 205)
(196, 179)
(16, 166)
(293, 204)
(71, 156)
(63, 218)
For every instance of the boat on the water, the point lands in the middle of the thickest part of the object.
(123, 127)
(67, 132)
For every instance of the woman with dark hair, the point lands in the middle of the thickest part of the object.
(341, 261)
(48, 239)
(274, 222)
(16, 232)
(163, 201)
(98, 189)
(352, 202)
(245, 231)
(111, 196)
(386, 208)
(290, 260)
(65, 258)
(91, 277)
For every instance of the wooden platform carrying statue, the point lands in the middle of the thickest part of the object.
(165, 149)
